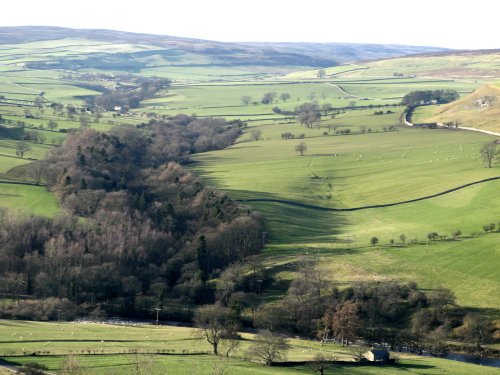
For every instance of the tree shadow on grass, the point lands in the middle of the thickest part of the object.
(414, 366)
(300, 225)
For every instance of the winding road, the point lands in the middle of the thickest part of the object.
(407, 122)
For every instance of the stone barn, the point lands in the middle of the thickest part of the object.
(377, 355)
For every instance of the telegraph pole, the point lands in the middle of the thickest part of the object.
(157, 315)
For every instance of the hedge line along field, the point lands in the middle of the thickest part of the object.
(182, 351)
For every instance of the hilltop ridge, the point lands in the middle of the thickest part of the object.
(222, 53)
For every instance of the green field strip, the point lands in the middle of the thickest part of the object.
(298, 204)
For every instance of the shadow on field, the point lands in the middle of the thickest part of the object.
(295, 224)
(414, 366)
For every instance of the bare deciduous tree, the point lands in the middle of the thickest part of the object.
(52, 125)
(37, 171)
(284, 97)
(301, 148)
(215, 324)
(245, 99)
(256, 134)
(269, 348)
(22, 148)
(489, 152)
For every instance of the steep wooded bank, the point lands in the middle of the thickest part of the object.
(139, 228)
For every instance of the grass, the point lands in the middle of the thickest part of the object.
(206, 364)
(348, 171)
(365, 169)
(397, 89)
(463, 66)
(99, 341)
(28, 199)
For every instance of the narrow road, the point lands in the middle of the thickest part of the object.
(407, 122)
(355, 96)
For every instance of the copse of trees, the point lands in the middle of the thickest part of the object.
(151, 230)
(312, 306)
(268, 98)
(364, 310)
(308, 114)
(420, 97)
(130, 96)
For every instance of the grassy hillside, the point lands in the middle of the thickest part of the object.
(479, 110)
(476, 65)
(313, 54)
(349, 171)
(366, 169)
(186, 351)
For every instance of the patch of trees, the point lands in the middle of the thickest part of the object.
(288, 135)
(268, 98)
(150, 229)
(280, 111)
(308, 114)
(130, 96)
(420, 97)
(396, 314)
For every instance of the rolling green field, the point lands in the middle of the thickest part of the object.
(367, 169)
(348, 171)
(93, 346)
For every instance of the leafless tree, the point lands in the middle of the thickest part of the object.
(37, 171)
(22, 148)
(256, 134)
(301, 148)
(215, 324)
(269, 348)
(245, 99)
(284, 97)
(489, 152)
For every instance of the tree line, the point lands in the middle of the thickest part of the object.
(420, 97)
(129, 96)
